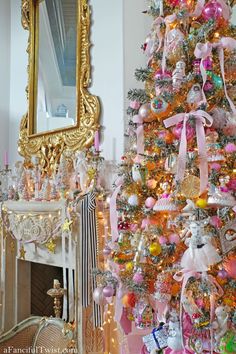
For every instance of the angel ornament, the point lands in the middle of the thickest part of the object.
(178, 75)
(200, 253)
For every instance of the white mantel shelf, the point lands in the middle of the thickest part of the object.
(33, 206)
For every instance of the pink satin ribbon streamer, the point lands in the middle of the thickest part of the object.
(204, 50)
(113, 211)
(201, 118)
(140, 134)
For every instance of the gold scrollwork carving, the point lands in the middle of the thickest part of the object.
(48, 146)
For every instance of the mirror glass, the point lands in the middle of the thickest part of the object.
(56, 70)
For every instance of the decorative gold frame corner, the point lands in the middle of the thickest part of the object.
(48, 146)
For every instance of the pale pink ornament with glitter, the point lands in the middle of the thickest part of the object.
(174, 238)
(230, 148)
(215, 166)
(162, 240)
(135, 104)
(138, 278)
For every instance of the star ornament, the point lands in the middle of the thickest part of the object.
(22, 253)
(66, 225)
(51, 245)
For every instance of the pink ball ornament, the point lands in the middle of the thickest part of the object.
(138, 278)
(135, 104)
(106, 251)
(151, 183)
(162, 240)
(159, 74)
(208, 86)
(150, 202)
(222, 274)
(207, 63)
(230, 148)
(177, 130)
(98, 296)
(108, 291)
(174, 238)
(230, 267)
(144, 110)
(212, 10)
(215, 166)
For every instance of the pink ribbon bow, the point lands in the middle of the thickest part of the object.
(113, 212)
(140, 134)
(204, 50)
(201, 118)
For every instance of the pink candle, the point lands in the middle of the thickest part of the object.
(6, 161)
(96, 141)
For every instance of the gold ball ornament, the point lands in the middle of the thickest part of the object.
(190, 187)
(155, 249)
(201, 203)
(129, 266)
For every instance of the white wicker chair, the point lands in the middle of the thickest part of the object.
(38, 335)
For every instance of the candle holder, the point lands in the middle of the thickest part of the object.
(57, 293)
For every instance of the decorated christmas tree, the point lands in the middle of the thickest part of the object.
(173, 208)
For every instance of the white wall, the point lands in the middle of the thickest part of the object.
(108, 71)
(18, 77)
(4, 75)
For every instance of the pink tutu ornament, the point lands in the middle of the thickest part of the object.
(200, 253)
(165, 202)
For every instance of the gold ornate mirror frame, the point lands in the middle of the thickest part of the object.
(48, 146)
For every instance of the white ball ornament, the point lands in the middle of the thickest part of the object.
(133, 200)
(99, 297)
(144, 110)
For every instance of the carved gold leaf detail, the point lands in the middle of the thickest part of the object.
(49, 146)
